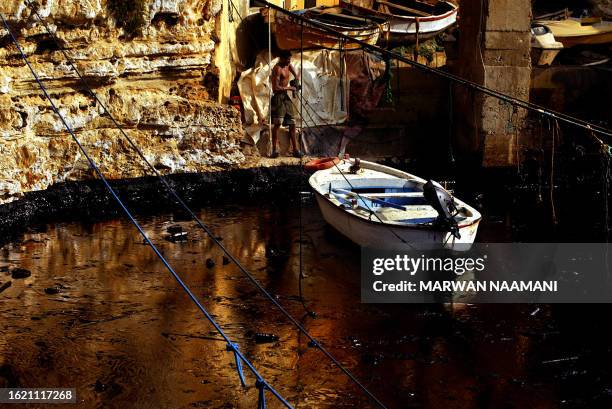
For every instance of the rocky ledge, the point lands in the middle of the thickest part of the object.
(150, 61)
(89, 200)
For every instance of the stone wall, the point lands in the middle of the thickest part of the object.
(494, 50)
(152, 64)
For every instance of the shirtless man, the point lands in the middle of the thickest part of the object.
(282, 106)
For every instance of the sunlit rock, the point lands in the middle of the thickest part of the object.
(146, 64)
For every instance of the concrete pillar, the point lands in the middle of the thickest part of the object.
(494, 50)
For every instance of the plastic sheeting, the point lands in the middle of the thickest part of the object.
(368, 81)
(324, 89)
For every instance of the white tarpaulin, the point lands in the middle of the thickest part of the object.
(324, 90)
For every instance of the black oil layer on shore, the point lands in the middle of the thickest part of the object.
(89, 200)
(100, 313)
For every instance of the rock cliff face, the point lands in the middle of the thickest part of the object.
(152, 64)
(602, 7)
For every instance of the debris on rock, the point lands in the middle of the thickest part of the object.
(52, 290)
(5, 286)
(20, 273)
(175, 228)
(176, 237)
(176, 233)
(264, 338)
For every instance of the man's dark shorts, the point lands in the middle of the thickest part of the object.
(282, 109)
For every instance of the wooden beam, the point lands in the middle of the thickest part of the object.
(565, 13)
(339, 16)
(404, 8)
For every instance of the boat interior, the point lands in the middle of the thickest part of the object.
(393, 200)
(410, 8)
(341, 17)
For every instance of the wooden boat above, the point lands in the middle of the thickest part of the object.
(290, 34)
(571, 31)
(410, 20)
(575, 31)
(380, 207)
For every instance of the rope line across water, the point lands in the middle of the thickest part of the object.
(261, 383)
(204, 227)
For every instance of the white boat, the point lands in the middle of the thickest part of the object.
(383, 208)
(543, 45)
(410, 20)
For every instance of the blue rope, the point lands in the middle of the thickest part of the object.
(234, 348)
(204, 227)
(261, 401)
(98, 172)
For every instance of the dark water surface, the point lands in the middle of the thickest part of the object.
(125, 335)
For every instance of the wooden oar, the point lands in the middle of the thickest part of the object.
(404, 8)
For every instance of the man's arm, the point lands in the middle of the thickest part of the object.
(294, 72)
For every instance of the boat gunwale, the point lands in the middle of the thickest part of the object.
(370, 28)
(341, 13)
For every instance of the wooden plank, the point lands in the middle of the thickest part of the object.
(565, 13)
(342, 17)
(404, 8)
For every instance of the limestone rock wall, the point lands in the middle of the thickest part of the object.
(153, 66)
(602, 7)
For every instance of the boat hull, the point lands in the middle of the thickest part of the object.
(291, 35)
(385, 237)
(572, 32)
(592, 39)
(406, 29)
(403, 230)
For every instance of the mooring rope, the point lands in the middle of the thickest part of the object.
(214, 238)
(261, 384)
(301, 277)
(555, 130)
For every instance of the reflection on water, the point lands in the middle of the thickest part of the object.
(122, 332)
